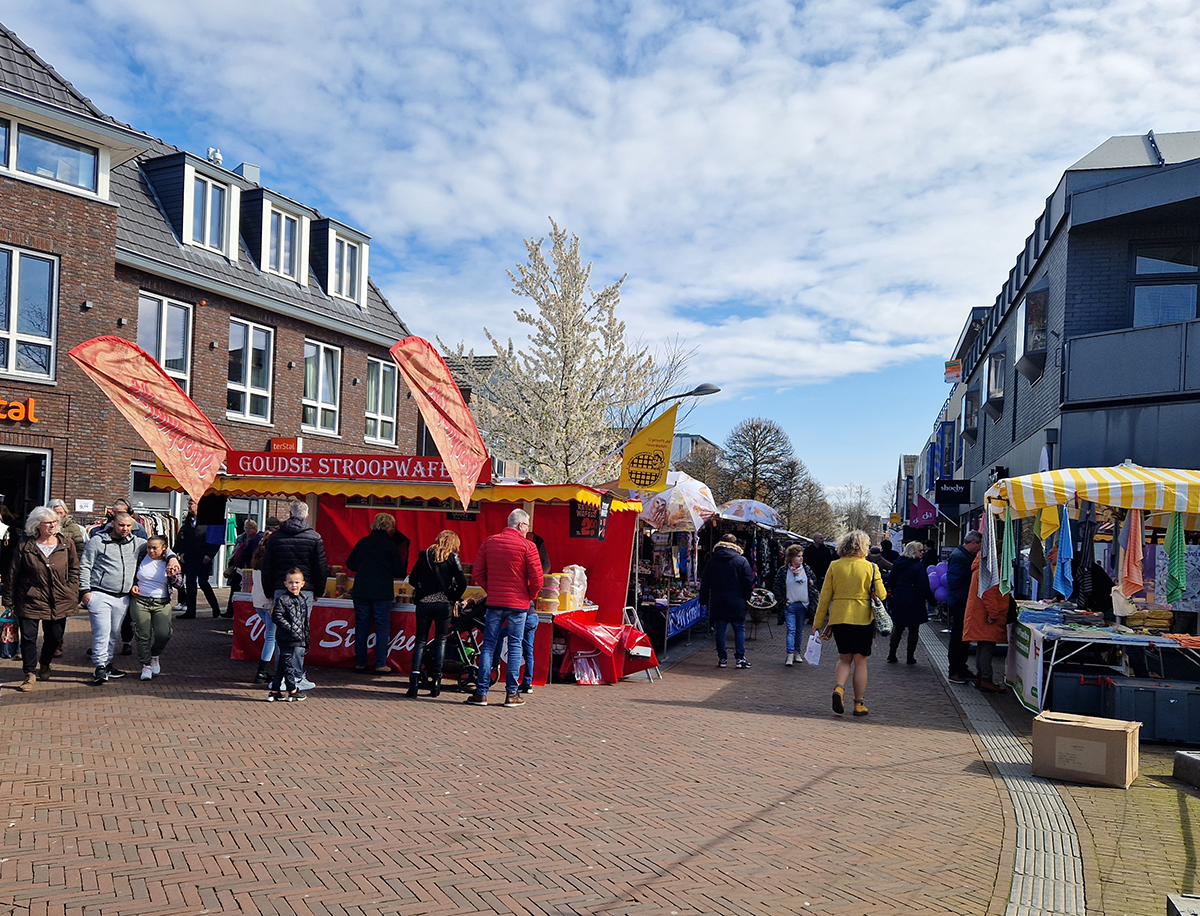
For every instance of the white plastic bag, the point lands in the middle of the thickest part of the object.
(586, 669)
(812, 651)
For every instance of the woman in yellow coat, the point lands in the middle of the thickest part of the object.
(846, 599)
(985, 624)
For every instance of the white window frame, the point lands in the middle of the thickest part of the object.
(300, 253)
(245, 387)
(376, 415)
(319, 405)
(182, 377)
(339, 279)
(8, 159)
(12, 336)
(229, 217)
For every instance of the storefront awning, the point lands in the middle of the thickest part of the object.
(516, 493)
(1127, 486)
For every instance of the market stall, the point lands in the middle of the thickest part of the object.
(1047, 635)
(580, 526)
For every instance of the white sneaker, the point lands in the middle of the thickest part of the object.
(791, 657)
(155, 666)
(147, 672)
(305, 684)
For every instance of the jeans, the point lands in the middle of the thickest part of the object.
(957, 650)
(268, 650)
(297, 650)
(106, 612)
(515, 618)
(364, 611)
(531, 625)
(436, 613)
(290, 668)
(739, 638)
(152, 626)
(795, 615)
(52, 637)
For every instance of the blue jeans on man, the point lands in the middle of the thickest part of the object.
(795, 615)
(531, 625)
(739, 638)
(364, 612)
(514, 617)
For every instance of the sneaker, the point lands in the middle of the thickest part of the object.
(274, 696)
(383, 670)
(839, 700)
(155, 666)
(790, 660)
(126, 648)
(114, 673)
(526, 688)
(513, 699)
(147, 672)
(295, 696)
(960, 679)
(305, 684)
(100, 677)
(723, 663)
(742, 663)
(476, 699)
(860, 708)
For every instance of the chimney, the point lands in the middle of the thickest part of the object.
(248, 171)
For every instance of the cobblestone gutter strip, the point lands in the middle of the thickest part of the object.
(1048, 866)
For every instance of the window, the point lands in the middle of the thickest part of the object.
(141, 496)
(52, 157)
(1032, 331)
(381, 401)
(3, 142)
(282, 249)
(1174, 259)
(970, 415)
(208, 213)
(994, 403)
(345, 269)
(1164, 302)
(249, 387)
(165, 332)
(322, 380)
(28, 292)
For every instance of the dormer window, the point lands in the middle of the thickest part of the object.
(970, 415)
(993, 405)
(209, 210)
(345, 269)
(283, 246)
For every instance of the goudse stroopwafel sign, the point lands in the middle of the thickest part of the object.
(413, 468)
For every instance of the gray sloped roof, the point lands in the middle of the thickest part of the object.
(145, 240)
(1136, 150)
(21, 70)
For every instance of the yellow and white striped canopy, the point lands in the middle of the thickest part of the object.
(1127, 486)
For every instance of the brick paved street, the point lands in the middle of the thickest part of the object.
(713, 791)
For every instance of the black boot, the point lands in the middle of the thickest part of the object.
(264, 673)
(413, 679)
(435, 686)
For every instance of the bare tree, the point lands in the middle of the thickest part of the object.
(759, 460)
(854, 507)
(562, 404)
(704, 463)
(887, 497)
(805, 508)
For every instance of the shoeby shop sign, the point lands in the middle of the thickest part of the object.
(400, 468)
(684, 617)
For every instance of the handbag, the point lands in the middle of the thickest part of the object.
(882, 619)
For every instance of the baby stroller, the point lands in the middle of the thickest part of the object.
(462, 650)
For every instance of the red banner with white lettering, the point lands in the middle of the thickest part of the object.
(178, 432)
(444, 411)
(396, 468)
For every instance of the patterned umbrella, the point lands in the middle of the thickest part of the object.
(685, 505)
(751, 510)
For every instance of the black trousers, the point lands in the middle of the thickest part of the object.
(194, 577)
(914, 636)
(437, 614)
(52, 637)
(957, 650)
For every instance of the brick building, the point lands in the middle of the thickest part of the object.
(259, 306)
(1085, 356)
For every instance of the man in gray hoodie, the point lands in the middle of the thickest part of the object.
(107, 572)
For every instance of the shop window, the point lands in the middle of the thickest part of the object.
(381, 402)
(165, 332)
(322, 384)
(28, 293)
(1033, 331)
(56, 158)
(249, 385)
(993, 404)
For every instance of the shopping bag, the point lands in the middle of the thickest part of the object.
(812, 652)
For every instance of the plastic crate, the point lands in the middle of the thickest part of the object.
(1078, 689)
(1169, 712)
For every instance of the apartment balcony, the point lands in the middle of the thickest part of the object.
(1137, 363)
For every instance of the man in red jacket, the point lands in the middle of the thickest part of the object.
(508, 568)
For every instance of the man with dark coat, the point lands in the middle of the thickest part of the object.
(817, 557)
(958, 585)
(725, 587)
(192, 544)
(295, 544)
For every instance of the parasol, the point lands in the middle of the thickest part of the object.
(751, 510)
(685, 506)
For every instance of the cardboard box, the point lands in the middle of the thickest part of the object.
(1101, 752)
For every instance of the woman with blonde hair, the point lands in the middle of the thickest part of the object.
(438, 584)
(846, 599)
(377, 561)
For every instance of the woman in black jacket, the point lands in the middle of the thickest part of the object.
(376, 564)
(438, 584)
(908, 591)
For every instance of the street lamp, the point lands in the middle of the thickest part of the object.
(699, 391)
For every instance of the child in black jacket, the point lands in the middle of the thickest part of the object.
(290, 615)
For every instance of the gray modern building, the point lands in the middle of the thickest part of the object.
(1086, 357)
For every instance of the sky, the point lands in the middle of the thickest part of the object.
(812, 194)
